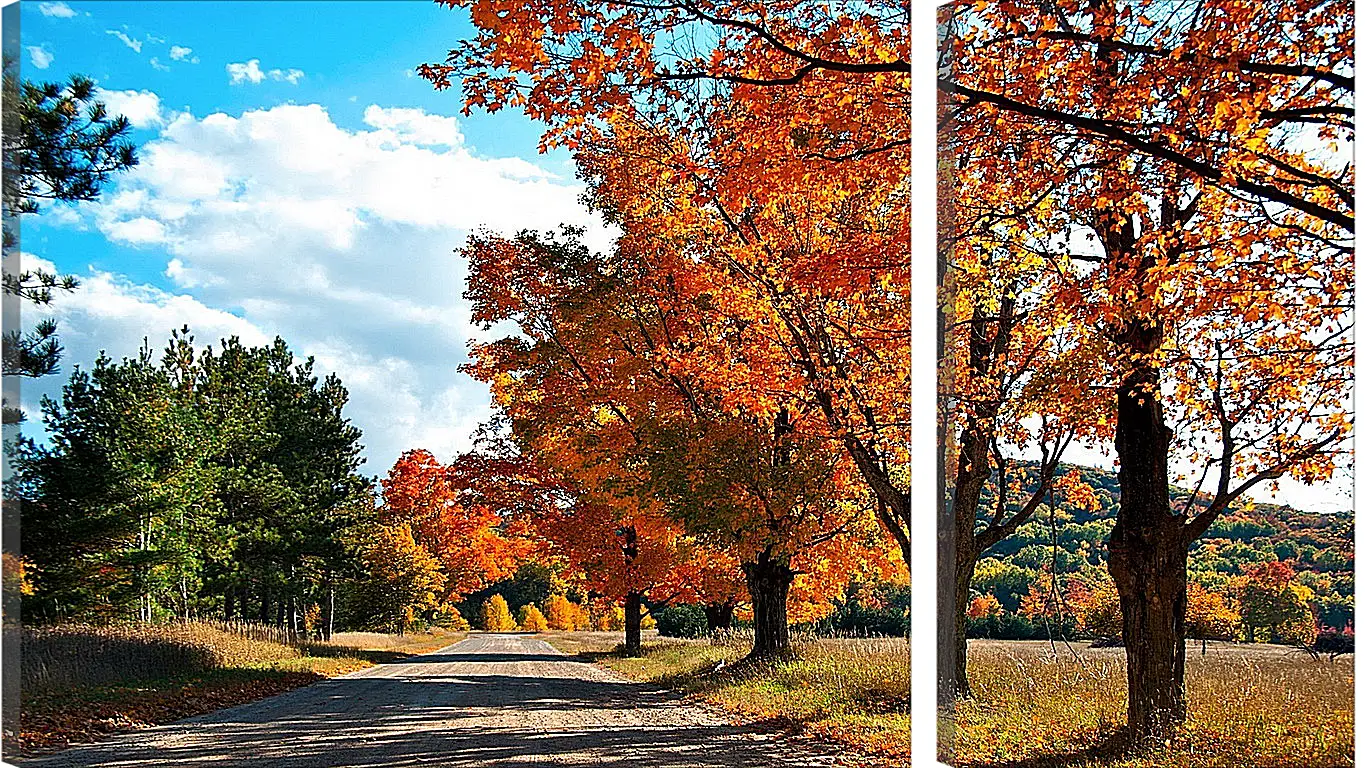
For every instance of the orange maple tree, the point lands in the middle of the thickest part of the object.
(473, 541)
(597, 387)
(1199, 155)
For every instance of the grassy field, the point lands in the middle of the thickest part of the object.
(80, 682)
(854, 692)
(1249, 706)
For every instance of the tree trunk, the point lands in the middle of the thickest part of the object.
(720, 616)
(973, 470)
(1148, 551)
(264, 615)
(963, 570)
(331, 610)
(634, 615)
(769, 580)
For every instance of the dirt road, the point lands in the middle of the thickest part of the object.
(490, 700)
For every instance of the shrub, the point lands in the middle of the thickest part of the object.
(681, 621)
(561, 614)
(531, 619)
(495, 617)
(1011, 626)
(880, 609)
(1334, 642)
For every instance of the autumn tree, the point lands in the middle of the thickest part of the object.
(403, 580)
(560, 613)
(797, 187)
(531, 619)
(1269, 599)
(449, 517)
(495, 617)
(1208, 615)
(750, 480)
(1196, 149)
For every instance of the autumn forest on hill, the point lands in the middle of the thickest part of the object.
(697, 470)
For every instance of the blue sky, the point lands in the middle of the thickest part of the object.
(298, 179)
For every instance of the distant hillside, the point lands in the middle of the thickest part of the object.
(1068, 540)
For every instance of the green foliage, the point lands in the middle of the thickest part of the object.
(402, 581)
(67, 146)
(870, 609)
(60, 144)
(209, 483)
(683, 620)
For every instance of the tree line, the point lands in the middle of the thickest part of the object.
(207, 482)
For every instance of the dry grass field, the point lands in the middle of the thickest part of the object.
(854, 692)
(1250, 706)
(79, 682)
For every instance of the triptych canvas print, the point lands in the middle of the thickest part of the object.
(512, 382)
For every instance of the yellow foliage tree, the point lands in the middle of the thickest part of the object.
(532, 620)
(561, 614)
(495, 617)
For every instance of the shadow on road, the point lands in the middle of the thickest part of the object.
(447, 709)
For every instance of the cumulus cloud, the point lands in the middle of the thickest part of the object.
(251, 72)
(183, 53)
(339, 240)
(142, 108)
(40, 56)
(133, 43)
(415, 126)
(56, 10)
(243, 72)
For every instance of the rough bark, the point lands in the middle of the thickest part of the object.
(634, 601)
(1149, 546)
(769, 579)
(1148, 557)
(973, 470)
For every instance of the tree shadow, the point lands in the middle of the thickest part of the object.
(1113, 747)
(441, 719)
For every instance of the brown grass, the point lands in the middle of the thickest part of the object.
(80, 682)
(852, 692)
(1249, 707)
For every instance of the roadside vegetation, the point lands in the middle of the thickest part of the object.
(80, 682)
(854, 692)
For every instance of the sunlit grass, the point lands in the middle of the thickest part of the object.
(1258, 706)
(854, 692)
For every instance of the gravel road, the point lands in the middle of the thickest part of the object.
(489, 700)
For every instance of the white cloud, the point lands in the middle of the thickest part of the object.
(415, 126)
(136, 45)
(293, 76)
(250, 71)
(157, 65)
(183, 53)
(339, 240)
(56, 10)
(40, 56)
(142, 108)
